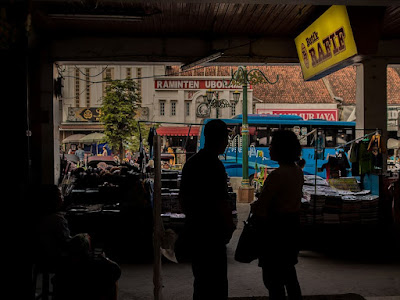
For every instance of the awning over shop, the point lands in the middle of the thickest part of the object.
(94, 137)
(81, 127)
(178, 131)
(75, 138)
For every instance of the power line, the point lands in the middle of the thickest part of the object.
(101, 72)
(123, 79)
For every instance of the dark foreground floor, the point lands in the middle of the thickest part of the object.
(316, 297)
(335, 264)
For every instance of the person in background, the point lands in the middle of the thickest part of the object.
(80, 272)
(88, 274)
(204, 184)
(105, 153)
(80, 153)
(277, 210)
(52, 231)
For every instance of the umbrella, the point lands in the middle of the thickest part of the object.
(93, 138)
(75, 138)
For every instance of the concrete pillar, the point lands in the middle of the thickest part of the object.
(371, 99)
(45, 118)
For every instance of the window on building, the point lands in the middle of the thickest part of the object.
(77, 88)
(187, 108)
(87, 88)
(173, 108)
(162, 107)
(139, 80)
(107, 76)
(233, 109)
(128, 73)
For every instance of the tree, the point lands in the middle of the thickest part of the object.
(118, 111)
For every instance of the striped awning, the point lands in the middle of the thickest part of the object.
(178, 131)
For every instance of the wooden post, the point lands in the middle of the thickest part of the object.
(157, 225)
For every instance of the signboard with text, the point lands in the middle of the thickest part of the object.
(85, 114)
(306, 114)
(326, 44)
(175, 84)
(92, 114)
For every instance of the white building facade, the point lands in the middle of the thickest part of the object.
(174, 100)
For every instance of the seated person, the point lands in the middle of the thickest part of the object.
(87, 275)
(52, 232)
(79, 274)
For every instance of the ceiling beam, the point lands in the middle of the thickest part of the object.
(287, 2)
(173, 49)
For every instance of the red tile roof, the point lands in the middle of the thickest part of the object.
(343, 84)
(291, 88)
(393, 85)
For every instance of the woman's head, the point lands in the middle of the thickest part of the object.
(285, 147)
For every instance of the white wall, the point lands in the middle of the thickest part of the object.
(150, 96)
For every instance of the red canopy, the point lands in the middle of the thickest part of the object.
(178, 131)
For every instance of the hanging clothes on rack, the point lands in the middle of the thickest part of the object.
(354, 158)
(361, 153)
(376, 143)
(365, 157)
(376, 147)
(336, 166)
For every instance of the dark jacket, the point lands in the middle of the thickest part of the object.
(205, 200)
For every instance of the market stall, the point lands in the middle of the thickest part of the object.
(113, 204)
(357, 204)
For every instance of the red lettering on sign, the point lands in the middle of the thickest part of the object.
(306, 114)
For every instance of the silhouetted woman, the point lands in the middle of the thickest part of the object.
(278, 207)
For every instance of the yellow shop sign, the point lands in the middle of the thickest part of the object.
(326, 43)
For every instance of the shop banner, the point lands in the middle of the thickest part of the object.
(170, 84)
(86, 114)
(327, 44)
(306, 114)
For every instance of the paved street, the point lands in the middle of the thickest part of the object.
(319, 272)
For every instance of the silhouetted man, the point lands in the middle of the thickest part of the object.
(209, 225)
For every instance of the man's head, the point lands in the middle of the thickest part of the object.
(216, 136)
